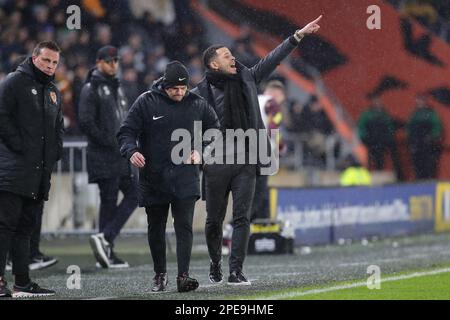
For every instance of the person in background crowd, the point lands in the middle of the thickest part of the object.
(424, 131)
(376, 129)
(354, 173)
(270, 103)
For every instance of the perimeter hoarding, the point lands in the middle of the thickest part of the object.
(325, 215)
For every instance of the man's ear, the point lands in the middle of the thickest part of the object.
(214, 65)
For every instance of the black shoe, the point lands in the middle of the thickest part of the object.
(4, 291)
(215, 272)
(185, 283)
(30, 291)
(41, 261)
(101, 249)
(237, 278)
(116, 262)
(159, 282)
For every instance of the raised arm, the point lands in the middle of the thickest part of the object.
(268, 64)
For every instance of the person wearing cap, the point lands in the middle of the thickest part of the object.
(145, 139)
(102, 108)
(231, 88)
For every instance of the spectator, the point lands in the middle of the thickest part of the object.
(424, 131)
(376, 129)
(354, 173)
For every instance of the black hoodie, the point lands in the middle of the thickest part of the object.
(31, 129)
(101, 109)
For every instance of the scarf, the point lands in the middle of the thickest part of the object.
(234, 103)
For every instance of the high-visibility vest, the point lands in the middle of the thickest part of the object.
(356, 176)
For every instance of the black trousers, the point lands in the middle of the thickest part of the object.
(182, 213)
(377, 157)
(113, 216)
(425, 159)
(260, 206)
(36, 234)
(221, 179)
(17, 222)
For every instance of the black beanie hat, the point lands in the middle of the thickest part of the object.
(176, 75)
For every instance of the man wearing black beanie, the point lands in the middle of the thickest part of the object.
(230, 88)
(152, 120)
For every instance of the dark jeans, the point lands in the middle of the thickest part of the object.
(260, 206)
(113, 216)
(221, 179)
(182, 213)
(17, 222)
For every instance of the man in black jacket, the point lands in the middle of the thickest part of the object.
(102, 108)
(152, 121)
(231, 88)
(31, 128)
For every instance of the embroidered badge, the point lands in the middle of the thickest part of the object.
(53, 96)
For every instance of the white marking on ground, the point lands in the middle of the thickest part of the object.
(299, 293)
(103, 298)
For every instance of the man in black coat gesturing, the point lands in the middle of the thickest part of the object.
(31, 128)
(231, 88)
(148, 139)
(102, 108)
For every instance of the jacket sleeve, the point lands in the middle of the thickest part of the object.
(209, 121)
(269, 63)
(130, 130)
(59, 132)
(9, 133)
(87, 110)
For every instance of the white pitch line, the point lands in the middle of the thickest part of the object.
(353, 285)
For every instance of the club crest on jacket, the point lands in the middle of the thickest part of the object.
(53, 96)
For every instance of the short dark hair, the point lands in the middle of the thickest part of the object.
(45, 44)
(210, 53)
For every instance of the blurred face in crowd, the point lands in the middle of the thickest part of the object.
(224, 61)
(176, 93)
(421, 101)
(276, 93)
(47, 60)
(108, 67)
(376, 103)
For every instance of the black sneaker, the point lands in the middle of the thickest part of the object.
(215, 272)
(159, 282)
(116, 262)
(237, 278)
(4, 291)
(30, 291)
(41, 261)
(101, 249)
(185, 283)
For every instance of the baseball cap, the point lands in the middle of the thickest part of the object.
(176, 74)
(107, 53)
